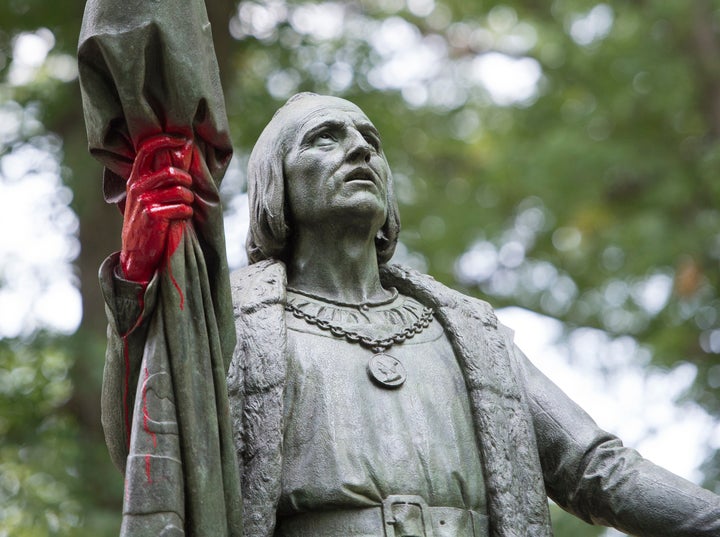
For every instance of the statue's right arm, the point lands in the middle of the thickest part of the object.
(157, 194)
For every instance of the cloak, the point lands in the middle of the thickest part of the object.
(517, 501)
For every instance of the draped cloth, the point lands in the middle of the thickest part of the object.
(148, 67)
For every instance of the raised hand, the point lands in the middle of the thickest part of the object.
(158, 203)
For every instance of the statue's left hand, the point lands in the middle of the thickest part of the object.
(159, 201)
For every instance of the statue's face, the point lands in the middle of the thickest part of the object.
(334, 167)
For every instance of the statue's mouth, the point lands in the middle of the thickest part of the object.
(361, 174)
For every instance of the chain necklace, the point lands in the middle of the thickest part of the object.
(384, 369)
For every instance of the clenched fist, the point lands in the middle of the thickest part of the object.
(158, 203)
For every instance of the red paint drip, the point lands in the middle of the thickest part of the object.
(174, 238)
(147, 468)
(126, 356)
(177, 288)
(146, 419)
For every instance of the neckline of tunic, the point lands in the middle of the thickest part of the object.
(377, 321)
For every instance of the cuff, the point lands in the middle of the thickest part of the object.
(127, 303)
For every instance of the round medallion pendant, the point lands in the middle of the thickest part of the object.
(386, 371)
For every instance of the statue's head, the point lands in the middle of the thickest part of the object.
(274, 163)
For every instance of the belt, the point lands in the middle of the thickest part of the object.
(399, 516)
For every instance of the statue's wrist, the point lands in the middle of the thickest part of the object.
(130, 271)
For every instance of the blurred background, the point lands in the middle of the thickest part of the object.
(558, 159)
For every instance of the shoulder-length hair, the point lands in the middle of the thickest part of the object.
(270, 225)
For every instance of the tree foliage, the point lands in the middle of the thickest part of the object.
(559, 156)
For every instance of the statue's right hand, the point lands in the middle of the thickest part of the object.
(158, 195)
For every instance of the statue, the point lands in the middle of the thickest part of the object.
(362, 398)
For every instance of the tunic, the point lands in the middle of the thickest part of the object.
(350, 443)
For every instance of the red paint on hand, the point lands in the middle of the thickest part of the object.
(158, 203)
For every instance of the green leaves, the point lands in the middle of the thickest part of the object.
(36, 474)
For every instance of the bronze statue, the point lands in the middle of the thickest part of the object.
(363, 398)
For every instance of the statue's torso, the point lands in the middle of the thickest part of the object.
(350, 443)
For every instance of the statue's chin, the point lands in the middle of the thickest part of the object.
(367, 207)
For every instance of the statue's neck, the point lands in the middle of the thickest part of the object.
(337, 266)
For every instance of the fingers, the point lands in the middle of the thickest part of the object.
(171, 212)
(148, 148)
(161, 152)
(160, 179)
(159, 192)
(172, 203)
(173, 194)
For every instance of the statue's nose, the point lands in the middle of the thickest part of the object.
(360, 149)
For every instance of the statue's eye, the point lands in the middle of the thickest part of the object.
(373, 141)
(325, 136)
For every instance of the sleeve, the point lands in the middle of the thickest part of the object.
(128, 306)
(589, 472)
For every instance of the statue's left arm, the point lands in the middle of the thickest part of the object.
(155, 118)
(589, 472)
